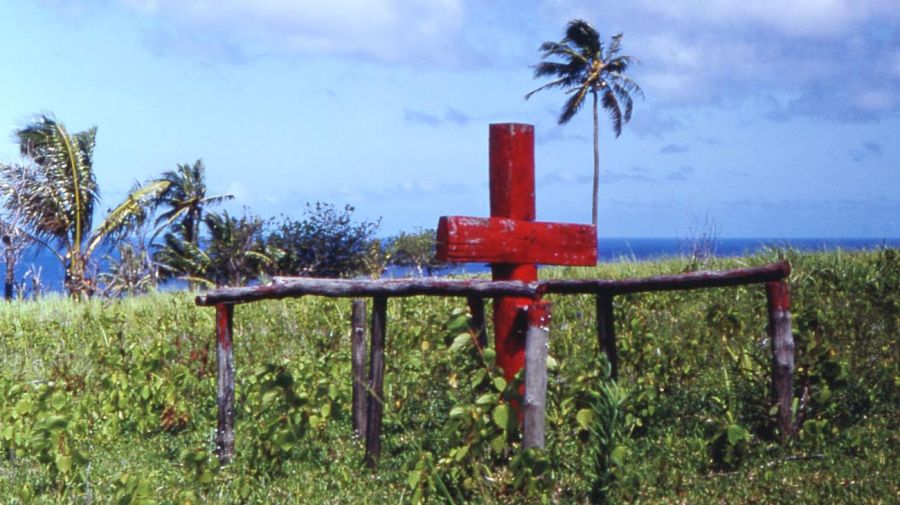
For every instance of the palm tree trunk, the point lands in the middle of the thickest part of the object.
(75, 276)
(9, 281)
(596, 163)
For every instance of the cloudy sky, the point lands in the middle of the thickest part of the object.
(766, 118)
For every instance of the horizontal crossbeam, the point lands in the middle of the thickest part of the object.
(502, 240)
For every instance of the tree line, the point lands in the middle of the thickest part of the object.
(165, 229)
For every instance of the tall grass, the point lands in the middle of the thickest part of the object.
(114, 400)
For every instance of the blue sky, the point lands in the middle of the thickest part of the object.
(765, 118)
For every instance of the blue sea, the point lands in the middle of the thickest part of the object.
(610, 249)
(640, 249)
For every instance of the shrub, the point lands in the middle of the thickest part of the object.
(325, 243)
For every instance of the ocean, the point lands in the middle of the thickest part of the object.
(610, 250)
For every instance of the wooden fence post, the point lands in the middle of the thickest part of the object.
(536, 347)
(606, 332)
(358, 365)
(782, 344)
(375, 399)
(476, 308)
(225, 382)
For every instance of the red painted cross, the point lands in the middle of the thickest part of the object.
(511, 240)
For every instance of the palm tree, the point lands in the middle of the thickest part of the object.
(588, 67)
(185, 196)
(55, 196)
(14, 240)
(13, 246)
(236, 253)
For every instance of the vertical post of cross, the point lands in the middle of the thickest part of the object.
(512, 196)
(511, 240)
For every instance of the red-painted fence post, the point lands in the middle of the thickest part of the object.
(225, 382)
(782, 344)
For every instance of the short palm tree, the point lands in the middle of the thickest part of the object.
(55, 196)
(588, 67)
(14, 240)
(185, 197)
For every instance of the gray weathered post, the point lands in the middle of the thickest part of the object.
(375, 399)
(782, 343)
(225, 382)
(476, 325)
(358, 365)
(536, 347)
(606, 332)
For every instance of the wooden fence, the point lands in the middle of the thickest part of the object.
(368, 388)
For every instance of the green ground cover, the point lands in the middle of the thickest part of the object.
(114, 400)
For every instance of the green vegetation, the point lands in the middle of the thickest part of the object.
(325, 243)
(53, 198)
(415, 250)
(49, 201)
(114, 400)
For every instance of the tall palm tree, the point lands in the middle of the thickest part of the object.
(185, 197)
(57, 192)
(588, 67)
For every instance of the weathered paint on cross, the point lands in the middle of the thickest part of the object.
(511, 240)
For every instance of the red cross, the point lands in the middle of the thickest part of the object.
(511, 240)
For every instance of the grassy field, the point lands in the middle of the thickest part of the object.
(114, 401)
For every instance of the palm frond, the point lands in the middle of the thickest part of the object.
(552, 68)
(573, 105)
(615, 45)
(215, 200)
(625, 101)
(263, 257)
(629, 86)
(40, 206)
(551, 84)
(179, 256)
(585, 37)
(66, 177)
(128, 215)
(562, 50)
(185, 198)
(620, 64)
(611, 105)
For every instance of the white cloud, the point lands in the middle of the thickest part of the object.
(385, 30)
(707, 51)
(803, 18)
